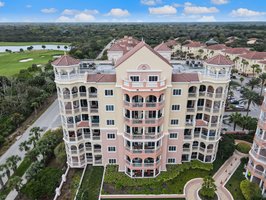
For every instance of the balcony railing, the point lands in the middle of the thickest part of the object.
(148, 121)
(145, 136)
(144, 84)
(145, 150)
(141, 104)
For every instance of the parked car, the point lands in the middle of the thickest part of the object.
(240, 106)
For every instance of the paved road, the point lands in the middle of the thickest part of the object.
(221, 177)
(106, 47)
(48, 120)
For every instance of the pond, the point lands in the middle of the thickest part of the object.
(35, 47)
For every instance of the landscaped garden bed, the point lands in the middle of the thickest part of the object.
(170, 182)
(243, 147)
(233, 185)
(91, 183)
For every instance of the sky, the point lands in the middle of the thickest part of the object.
(132, 10)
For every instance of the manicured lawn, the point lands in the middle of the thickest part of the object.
(10, 65)
(91, 184)
(233, 185)
(31, 43)
(243, 147)
(170, 182)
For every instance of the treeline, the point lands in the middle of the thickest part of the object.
(89, 39)
(21, 95)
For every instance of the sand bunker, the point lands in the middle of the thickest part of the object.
(26, 60)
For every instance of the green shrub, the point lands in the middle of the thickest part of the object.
(243, 147)
(43, 185)
(250, 191)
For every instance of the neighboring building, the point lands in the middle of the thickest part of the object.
(234, 53)
(195, 48)
(141, 113)
(252, 41)
(248, 59)
(211, 42)
(213, 50)
(120, 47)
(257, 156)
(164, 50)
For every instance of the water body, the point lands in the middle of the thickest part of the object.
(35, 47)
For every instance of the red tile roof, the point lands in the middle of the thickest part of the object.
(116, 47)
(236, 50)
(105, 78)
(254, 55)
(65, 60)
(200, 122)
(219, 60)
(185, 77)
(194, 44)
(136, 49)
(171, 43)
(217, 47)
(83, 124)
(162, 47)
(124, 44)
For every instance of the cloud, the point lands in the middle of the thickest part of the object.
(117, 12)
(199, 10)
(219, 2)
(2, 4)
(75, 12)
(150, 2)
(81, 17)
(49, 10)
(243, 12)
(28, 6)
(164, 10)
(176, 5)
(207, 19)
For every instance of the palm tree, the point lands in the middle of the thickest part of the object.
(17, 118)
(249, 97)
(58, 47)
(208, 187)
(35, 131)
(258, 70)
(241, 80)
(2, 175)
(24, 146)
(65, 47)
(7, 170)
(263, 80)
(254, 68)
(245, 63)
(34, 169)
(254, 82)
(43, 46)
(15, 183)
(35, 105)
(235, 118)
(12, 162)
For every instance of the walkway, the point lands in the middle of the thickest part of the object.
(221, 177)
(105, 48)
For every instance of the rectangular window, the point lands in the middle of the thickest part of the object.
(173, 135)
(111, 149)
(172, 148)
(112, 161)
(153, 78)
(176, 92)
(110, 122)
(171, 160)
(175, 107)
(109, 92)
(134, 78)
(109, 107)
(174, 121)
(110, 136)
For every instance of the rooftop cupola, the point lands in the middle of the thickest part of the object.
(66, 67)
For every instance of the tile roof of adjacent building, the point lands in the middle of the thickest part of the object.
(108, 78)
(65, 60)
(171, 43)
(185, 77)
(254, 55)
(136, 49)
(194, 44)
(124, 44)
(217, 47)
(162, 47)
(219, 60)
(236, 50)
(263, 62)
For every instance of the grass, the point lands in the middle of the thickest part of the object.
(243, 147)
(170, 182)
(233, 185)
(90, 186)
(31, 43)
(10, 65)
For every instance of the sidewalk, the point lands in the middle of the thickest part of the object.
(221, 177)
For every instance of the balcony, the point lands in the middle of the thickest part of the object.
(140, 150)
(145, 136)
(192, 95)
(191, 109)
(142, 105)
(92, 95)
(143, 122)
(144, 84)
